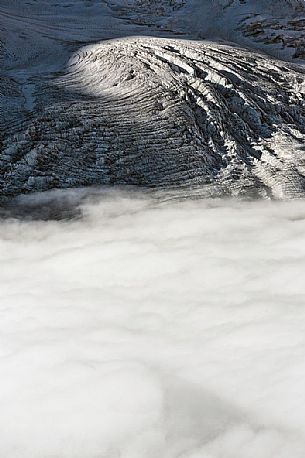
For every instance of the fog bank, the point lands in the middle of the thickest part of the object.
(151, 329)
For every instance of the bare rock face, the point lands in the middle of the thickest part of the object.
(166, 113)
(285, 36)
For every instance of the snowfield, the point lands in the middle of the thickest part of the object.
(153, 327)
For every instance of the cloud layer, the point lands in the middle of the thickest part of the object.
(154, 328)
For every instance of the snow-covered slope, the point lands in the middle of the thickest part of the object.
(274, 26)
(169, 111)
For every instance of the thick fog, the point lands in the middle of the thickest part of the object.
(153, 328)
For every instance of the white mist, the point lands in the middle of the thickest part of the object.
(149, 330)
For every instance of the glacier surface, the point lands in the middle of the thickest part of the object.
(167, 93)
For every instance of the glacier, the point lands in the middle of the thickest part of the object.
(152, 229)
(207, 107)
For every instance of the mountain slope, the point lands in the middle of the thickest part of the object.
(145, 111)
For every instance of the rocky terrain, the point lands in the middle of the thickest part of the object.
(164, 93)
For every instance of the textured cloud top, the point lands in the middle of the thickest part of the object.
(154, 328)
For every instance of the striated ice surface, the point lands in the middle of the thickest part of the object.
(162, 94)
